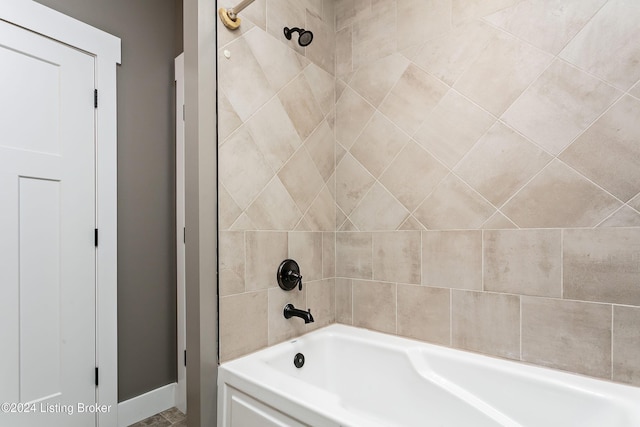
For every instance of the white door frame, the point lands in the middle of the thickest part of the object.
(181, 389)
(106, 50)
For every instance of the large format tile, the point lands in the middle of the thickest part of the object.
(352, 114)
(626, 345)
(607, 46)
(274, 209)
(321, 146)
(568, 335)
(447, 57)
(322, 85)
(378, 144)
(352, 183)
(374, 305)
(413, 175)
(559, 106)
(321, 50)
(498, 222)
(344, 303)
(635, 202)
(614, 165)
(344, 52)
(232, 262)
(486, 323)
(279, 63)
(412, 97)
(228, 119)
(453, 205)
(559, 197)
(636, 90)
(240, 153)
(373, 81)
(273, 133)
(321, 300)
(396, 256)
(465, 10)
(242, 79)
(452, 259)
(452, 127)
(424, 313)
(241, 334)
(421, 20)
(623, 217)
(375, 36)
(350, 11)
(285, 13)
(301, 179)
(500, 163)
(301, 106)
(281, 329)
(354, 255)
(328, 254)
(525, 262)
(501, 73)
(265, 251)
(378, 210)
(547, 24)
(321, 215)
(228, 210)
(306, 249)
(602, 265)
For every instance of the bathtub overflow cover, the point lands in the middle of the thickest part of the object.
(298, 360)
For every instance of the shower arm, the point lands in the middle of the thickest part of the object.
(234, 11)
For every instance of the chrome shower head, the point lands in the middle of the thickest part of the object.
(304, 37)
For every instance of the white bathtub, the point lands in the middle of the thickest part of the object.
(355, 377)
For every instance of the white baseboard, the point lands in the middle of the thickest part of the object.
(140, 407)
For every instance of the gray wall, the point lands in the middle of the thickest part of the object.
(151, 36)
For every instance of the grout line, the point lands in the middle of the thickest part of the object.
(562, 237)
(451, 317)
(482, 248)
(520, 304)
(601, 115)
(396, 309)
(352, 301)
(612, 335)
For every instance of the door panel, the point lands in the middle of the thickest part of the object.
(39, 246)
(39, 98)
(47, 221)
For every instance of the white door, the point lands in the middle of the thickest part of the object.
(47, 220)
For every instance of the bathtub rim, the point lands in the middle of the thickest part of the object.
(241, 374)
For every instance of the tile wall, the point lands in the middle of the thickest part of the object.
(470, 177)
(276, 171)
(488, 177)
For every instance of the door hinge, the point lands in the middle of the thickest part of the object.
(95, 237)
(96, 376)
(183, 113)
(184, 235)
(95, 98)
(185, 358)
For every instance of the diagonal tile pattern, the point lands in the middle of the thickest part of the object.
(277, 179)
(493, 100)
(477, 159)
(619, 128)
(521, 173)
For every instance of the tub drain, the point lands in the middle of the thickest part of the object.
(298, 360)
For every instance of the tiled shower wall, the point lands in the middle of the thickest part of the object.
(488, 177)
(276, 171)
